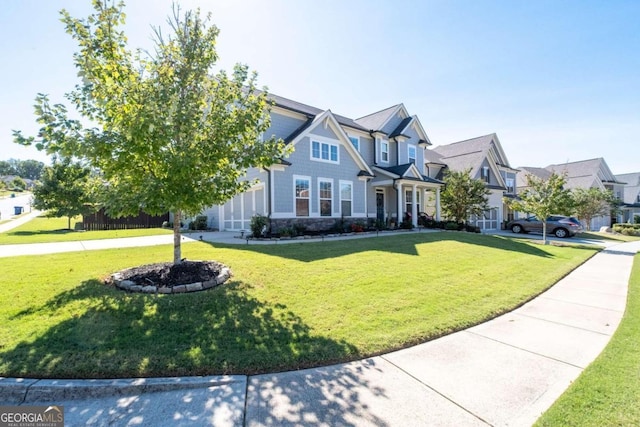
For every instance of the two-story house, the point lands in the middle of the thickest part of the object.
(370, 168)
(485, 159)
(592, 173)
(630, 208)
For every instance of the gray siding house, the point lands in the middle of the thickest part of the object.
(368, 169)
(592, 173)
(485, 159)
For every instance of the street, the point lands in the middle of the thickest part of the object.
(7, 205)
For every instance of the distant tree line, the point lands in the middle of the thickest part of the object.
(26, 169)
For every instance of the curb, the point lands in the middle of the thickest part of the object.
(23, 390)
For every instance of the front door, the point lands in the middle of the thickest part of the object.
(380, 206)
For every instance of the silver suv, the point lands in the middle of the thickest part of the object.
(558, 225)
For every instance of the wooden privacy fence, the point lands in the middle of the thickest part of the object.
(101, 221)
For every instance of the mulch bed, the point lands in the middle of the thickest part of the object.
(171, 278)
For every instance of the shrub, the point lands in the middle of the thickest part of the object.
(287, 232)
(636, 219)
(200, 223)
(299, 229)
(451, 225)
(627, 229)
(259, 225)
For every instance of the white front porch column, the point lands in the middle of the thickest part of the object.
(400, 210)
(438, 204)
(414, 206)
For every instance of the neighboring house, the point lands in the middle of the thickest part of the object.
(593, 173)
(630, 209)
(486, 160)
(8, 181)
(366, 169)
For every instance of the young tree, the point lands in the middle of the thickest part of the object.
(463, 196)
(543, 197)
(64, 189)
(18, 183)
(170, 135)
(593, 202)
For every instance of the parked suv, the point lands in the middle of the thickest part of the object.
(558, 225)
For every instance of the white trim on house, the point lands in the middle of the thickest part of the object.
(331, 197)
(329, 143)
(350, 184)
(295, 197)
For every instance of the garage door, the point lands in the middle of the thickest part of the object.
(237, 212)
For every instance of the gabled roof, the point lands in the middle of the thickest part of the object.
(407, 122)
(482, 144)
(521, 178)
(328, 119)
(377, 120)
(631, 188)
(311, 112)
(585, 173)
(406, 171)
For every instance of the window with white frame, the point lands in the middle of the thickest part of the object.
(384, 151)
(355, 140)
(412, 153)
(485, 173)
(346, 197)
(325, 196)
(303, 193)
(324, 151)
(510, 185)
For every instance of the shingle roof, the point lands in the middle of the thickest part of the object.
(480, 143)
(398, 130)
(375, 120)
(584, 173)
(521, 178)
(299, 107)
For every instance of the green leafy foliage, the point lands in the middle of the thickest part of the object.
(593, 202)
(65, 189)
(463, 196)
(170, 134)
(27, 169)
(543, 197)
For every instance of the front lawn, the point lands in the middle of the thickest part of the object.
(286, 307)
(608, 391)
(44, 230)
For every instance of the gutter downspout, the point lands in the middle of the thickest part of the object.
(375, 160)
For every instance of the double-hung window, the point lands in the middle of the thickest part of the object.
(325, 194)
(411, 151)
(384, 151)
(345, 198)
(324, 151)
(303, 193)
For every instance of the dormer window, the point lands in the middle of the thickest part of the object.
(485, 173)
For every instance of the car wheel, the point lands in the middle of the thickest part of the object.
(517, 228)
(561, 233)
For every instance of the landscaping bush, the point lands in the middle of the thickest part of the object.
(259, 225)
(627, 229)
(451, 225)
(200, 223)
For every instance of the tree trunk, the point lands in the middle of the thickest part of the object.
(177, 254)
(69, 222)
(544, 232)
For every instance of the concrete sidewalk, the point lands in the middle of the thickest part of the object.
(506, 371)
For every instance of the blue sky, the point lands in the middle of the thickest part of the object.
(557, 81)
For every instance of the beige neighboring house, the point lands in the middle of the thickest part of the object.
(487, 161)
(593, 173)
(630, 209)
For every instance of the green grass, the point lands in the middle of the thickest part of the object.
(45, 230)
(286, 307)
(596, 235)
(608, 391)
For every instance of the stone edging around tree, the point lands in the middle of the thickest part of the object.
(131, 286)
